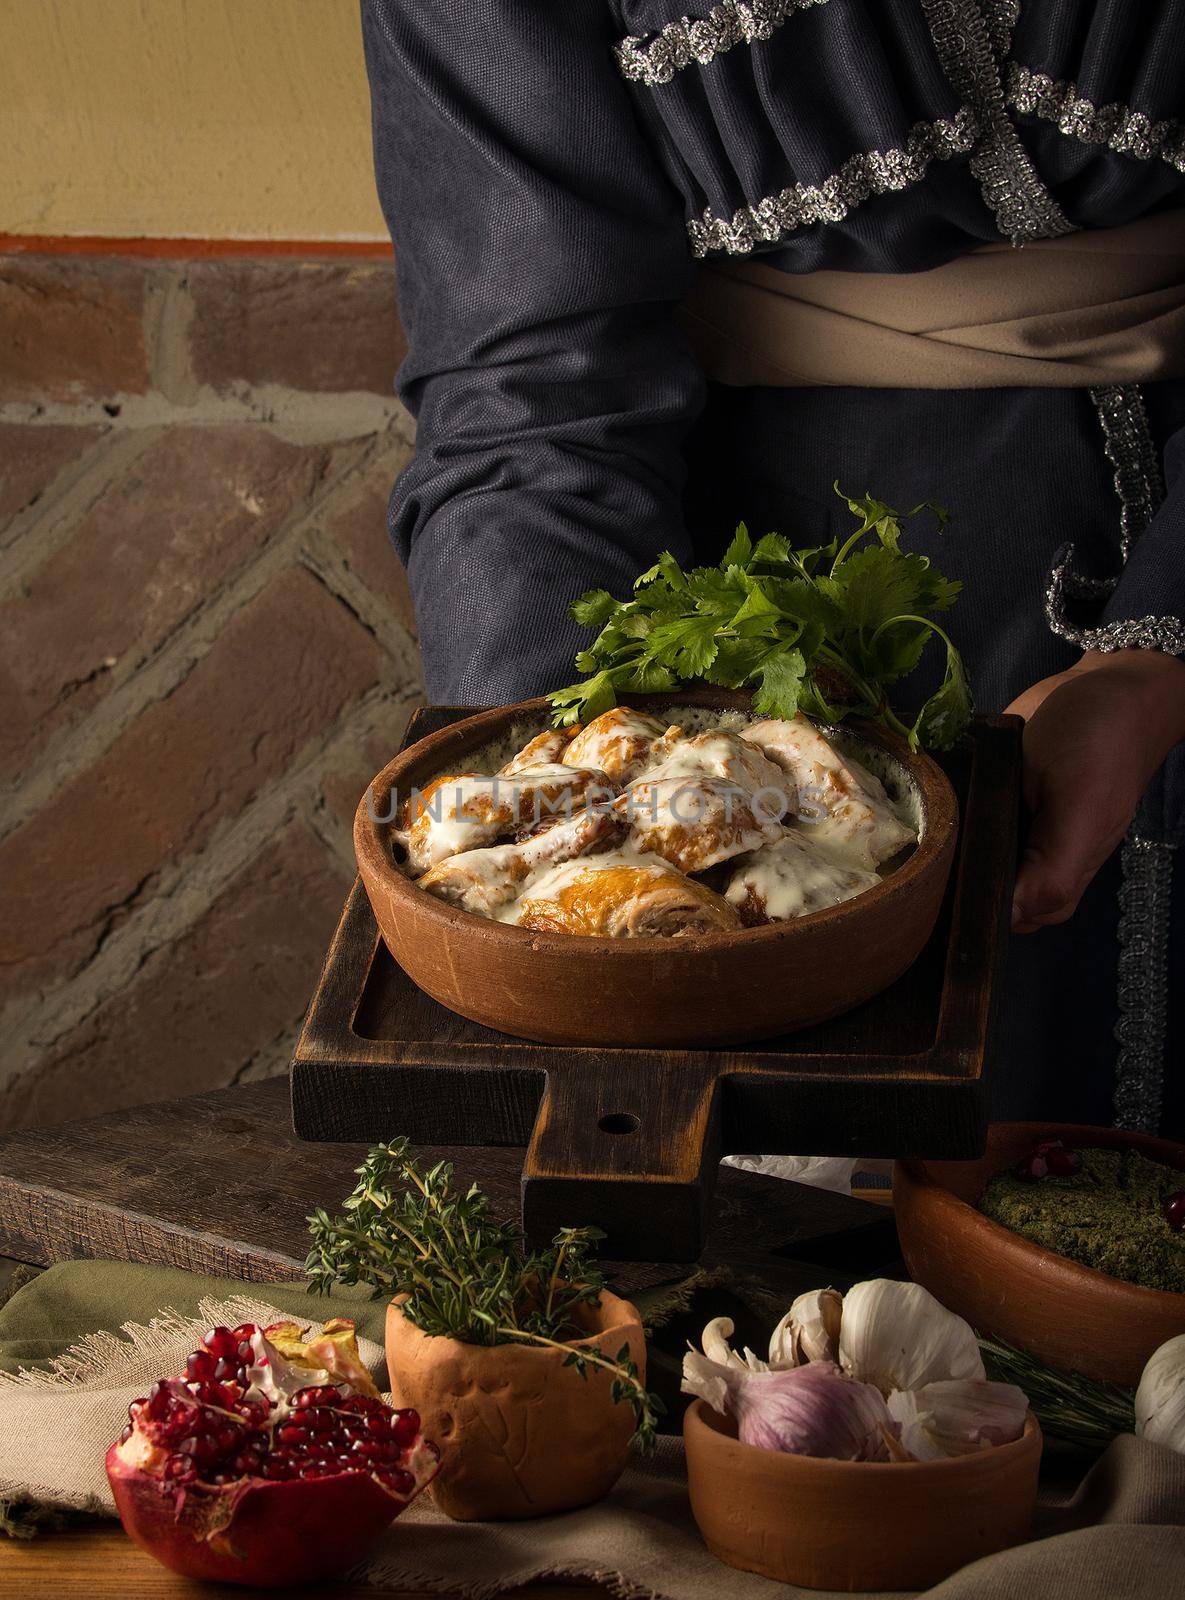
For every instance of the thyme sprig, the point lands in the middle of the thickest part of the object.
(465, 1276)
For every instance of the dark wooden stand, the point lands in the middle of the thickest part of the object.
(630, 1139)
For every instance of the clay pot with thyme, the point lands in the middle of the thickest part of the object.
(529, 1374)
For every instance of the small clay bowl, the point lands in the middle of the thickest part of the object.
(1069, 1316)
(855, 1525)
(722, 988)
(520, 1434)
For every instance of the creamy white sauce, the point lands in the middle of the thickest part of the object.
(791, 878)
(844, 806)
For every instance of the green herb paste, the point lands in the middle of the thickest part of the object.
(1107, 1216)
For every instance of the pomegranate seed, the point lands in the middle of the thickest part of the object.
(1032, 1169)
(1063, 1163)
(1174, 1210)
(276, 1467)
(135, 1408)
(321, 1421)
(180, 1469)
(212, 1394)
(405, 1425)
(125, 1435)
(1046, 1145)
(221, 1342)
(254, 1412)
(200, 1365)
(319, 1395)
(245, 1332)
(370, 1448)
(245, 1353)
(292, 1433)
(226, 1370)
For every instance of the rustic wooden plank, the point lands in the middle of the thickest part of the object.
(219, 1183)
(102, 1564)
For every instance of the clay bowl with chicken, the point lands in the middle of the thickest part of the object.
(680, 872)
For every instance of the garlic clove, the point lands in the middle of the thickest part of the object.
(1160, 1396)
(898, 1336)
(716, 1347)
(711, 1381)
(955, 1417)
(809, 1331)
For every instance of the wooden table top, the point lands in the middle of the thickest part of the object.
(219, 1183)
(101, 1564)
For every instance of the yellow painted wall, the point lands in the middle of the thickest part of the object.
(207, 119)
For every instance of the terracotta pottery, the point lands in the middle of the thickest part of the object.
(1070, 1316)
(722, 988)
(855, 1525)
(520, 1434)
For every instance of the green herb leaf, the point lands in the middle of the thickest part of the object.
(740, 551)
(594, 608)
(687, 646)
(825, 629)
(781, 682)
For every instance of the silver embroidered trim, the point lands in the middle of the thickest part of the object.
(1131, 450)
(1023, 207)
(654, 59)
(1118, 127)
(1144, 911)
(1000, 17)
(1139, 487)
(862, 176)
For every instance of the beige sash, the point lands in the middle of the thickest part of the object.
(1088, 309)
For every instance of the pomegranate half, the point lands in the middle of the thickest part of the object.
(273, 1461)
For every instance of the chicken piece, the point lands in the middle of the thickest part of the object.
(482, 881)
(791, 878)
(713, 797)
(694, 822)
(466, 811)
(545, 749)
(842, 804)
(621, 895)
(722, 754)
(617, 743)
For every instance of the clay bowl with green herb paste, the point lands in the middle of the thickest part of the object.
(1026, 1290)
(719, 981)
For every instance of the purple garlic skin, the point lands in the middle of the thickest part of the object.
(815, 1410)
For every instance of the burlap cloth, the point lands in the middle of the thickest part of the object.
(1122, 1533)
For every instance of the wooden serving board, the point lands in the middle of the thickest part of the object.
(630, 1139)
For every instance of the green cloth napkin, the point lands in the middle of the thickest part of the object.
(68, 1301)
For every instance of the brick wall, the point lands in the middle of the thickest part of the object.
(206, 649)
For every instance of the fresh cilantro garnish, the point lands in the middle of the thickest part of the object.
(824, 630)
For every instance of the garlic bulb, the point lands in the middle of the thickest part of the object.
(957, 1416)
(815, 1410)
(809, 1331)
(1160, 1397)
(897, 1336)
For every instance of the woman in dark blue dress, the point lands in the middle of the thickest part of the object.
(561, 177)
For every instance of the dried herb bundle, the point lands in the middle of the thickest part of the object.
(466, 1276)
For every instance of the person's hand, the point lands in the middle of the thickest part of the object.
(1094, 736)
